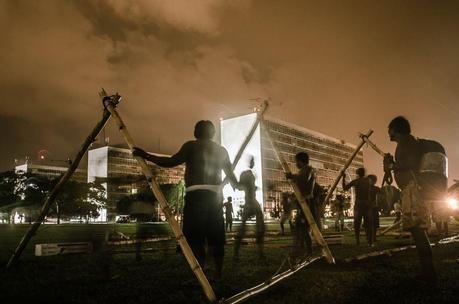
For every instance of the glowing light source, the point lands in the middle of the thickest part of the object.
(453, 203)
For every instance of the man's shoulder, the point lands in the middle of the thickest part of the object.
(407, 142)
(307, 169)
(220, 147)
(189, 143)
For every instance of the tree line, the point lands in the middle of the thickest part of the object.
(24, 194)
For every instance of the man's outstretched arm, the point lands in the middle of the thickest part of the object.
(163, 161)
(346, 186)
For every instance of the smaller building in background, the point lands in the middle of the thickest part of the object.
(50, 171)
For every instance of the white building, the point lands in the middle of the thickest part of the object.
(327, 155)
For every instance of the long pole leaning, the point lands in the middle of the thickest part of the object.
(238, 156)
(307, 212)
(347, 164)
(58, 188)
(188, 253)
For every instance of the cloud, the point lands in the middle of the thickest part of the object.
(339, 69)
(57, 55)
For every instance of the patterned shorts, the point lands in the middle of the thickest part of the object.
(415, 210)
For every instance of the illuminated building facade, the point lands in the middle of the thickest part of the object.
(327, 155)
(122, 175)
(50, 171)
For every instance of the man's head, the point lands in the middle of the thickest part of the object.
(398, 127)
(360, 172)
(251, 162)
(204, 129)
(230, 199)
(302, 159)
(373, 179)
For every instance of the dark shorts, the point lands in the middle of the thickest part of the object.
(203, 218)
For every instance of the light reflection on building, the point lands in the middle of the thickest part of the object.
(327, 155)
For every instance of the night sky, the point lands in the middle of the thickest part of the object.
(338, 67)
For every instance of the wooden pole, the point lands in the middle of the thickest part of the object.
(187, 252)
(59, 186)
(242, 296)
(372, 145)
(398, 249)
(238, 156)
(378, 253)
(346, 165)
(307, 212)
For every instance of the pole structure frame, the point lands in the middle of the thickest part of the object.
(59, 186)
(260, 113)
(387, 175)
(307, 212)
(154, 186)
(347, 164)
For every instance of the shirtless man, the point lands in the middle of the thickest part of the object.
(251, 208)
(305, 180)
(202, 214)
(362, 207)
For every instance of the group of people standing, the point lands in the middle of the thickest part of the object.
(203, 220)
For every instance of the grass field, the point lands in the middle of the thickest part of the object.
(162, 276)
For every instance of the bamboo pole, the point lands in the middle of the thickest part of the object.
(242, 296)
(187, 252)
(378, 253)
(372, 145)
(449, 240)
(346, 165)
(307, 212)
(59, 186)
(389, 252)
(238, 156)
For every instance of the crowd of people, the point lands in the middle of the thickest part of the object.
(203, 221)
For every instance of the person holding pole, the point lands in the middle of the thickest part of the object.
(251, 208)
(362, 208)
(305, 180)
(415, 214)
(203, 213)
(374, 196)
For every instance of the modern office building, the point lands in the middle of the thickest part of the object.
(122, 176)
(327, 155)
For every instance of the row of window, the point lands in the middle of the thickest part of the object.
(322, 151)
(273, 126)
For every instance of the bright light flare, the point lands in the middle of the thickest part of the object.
(453, 203)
